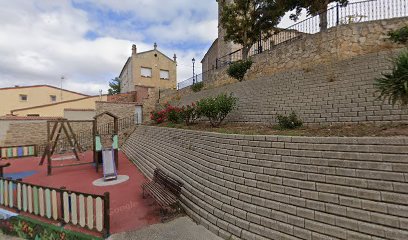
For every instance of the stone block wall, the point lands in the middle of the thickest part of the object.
(120, 109)
(279, 187)
(326, 78)
(306, 51)
(123, 97)
(32, 132)
(25, 133)
(329, 93)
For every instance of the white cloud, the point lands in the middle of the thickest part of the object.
(42, 40)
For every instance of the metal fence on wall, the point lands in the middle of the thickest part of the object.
(193, 80)
(355, 12)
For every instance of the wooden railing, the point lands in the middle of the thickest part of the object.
(79, 209)
(18, 151)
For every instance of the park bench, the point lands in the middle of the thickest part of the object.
(165, 190)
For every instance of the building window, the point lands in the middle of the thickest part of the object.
(164, 74)
(23, 98)
(53, 98)
(146, 72)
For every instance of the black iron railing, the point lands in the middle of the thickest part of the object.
(193, 80)
(354, 12)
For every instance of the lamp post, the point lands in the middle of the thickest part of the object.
(193, 60)
(62, 79)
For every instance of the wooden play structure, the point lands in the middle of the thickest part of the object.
(106, 156)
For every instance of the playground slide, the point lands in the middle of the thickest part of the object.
(109, 168)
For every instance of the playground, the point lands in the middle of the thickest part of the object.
(128, 210)
(96, 191)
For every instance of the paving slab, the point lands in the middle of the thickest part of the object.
(182, 228)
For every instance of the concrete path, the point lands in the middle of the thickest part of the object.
(182, 228)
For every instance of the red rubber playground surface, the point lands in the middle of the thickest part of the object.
(129, 211)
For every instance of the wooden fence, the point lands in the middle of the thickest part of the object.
(79, 209)
(18, 151)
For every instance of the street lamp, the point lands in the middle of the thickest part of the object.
(193, 60)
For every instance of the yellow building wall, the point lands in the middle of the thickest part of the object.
(57, 110)
(10, 97)
(156, 61)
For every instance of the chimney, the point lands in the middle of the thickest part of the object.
(134, 49)
(155, 46)
(175, 58)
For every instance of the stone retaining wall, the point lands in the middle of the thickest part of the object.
(340, 93)
(278, 187)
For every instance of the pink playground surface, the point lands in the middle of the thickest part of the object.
(129, 211)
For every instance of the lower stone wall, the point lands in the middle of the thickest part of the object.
(278, 187)
(120, 109)
(35, 133)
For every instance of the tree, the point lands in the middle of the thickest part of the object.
(313, 8)
(246, 20)
(114, 86)
(393, 86)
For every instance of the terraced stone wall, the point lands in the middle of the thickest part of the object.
(275, 187)
(342, 93)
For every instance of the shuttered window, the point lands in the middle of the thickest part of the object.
(164, 74)
(146, 72)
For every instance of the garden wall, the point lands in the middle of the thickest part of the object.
(276, 187)
(329, 93)
(34, 132)
(326, 77)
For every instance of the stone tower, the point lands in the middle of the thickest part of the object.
(224, 48)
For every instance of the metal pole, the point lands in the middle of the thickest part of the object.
(193, 72)
(338, 14)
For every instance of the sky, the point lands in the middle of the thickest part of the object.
(87, 42)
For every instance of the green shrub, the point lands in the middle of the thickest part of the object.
(197, 86)
(158, 116)
(173, 113)
(400, 35)
(190, 113)
(394, 86)
(217, 108)
(289, 122)
(238, 69)
(169, 113)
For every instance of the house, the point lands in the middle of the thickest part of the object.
(76, 109)
(148, 69)
(47, 101)
(30, 96)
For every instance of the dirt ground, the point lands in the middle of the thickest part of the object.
(355, 130)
